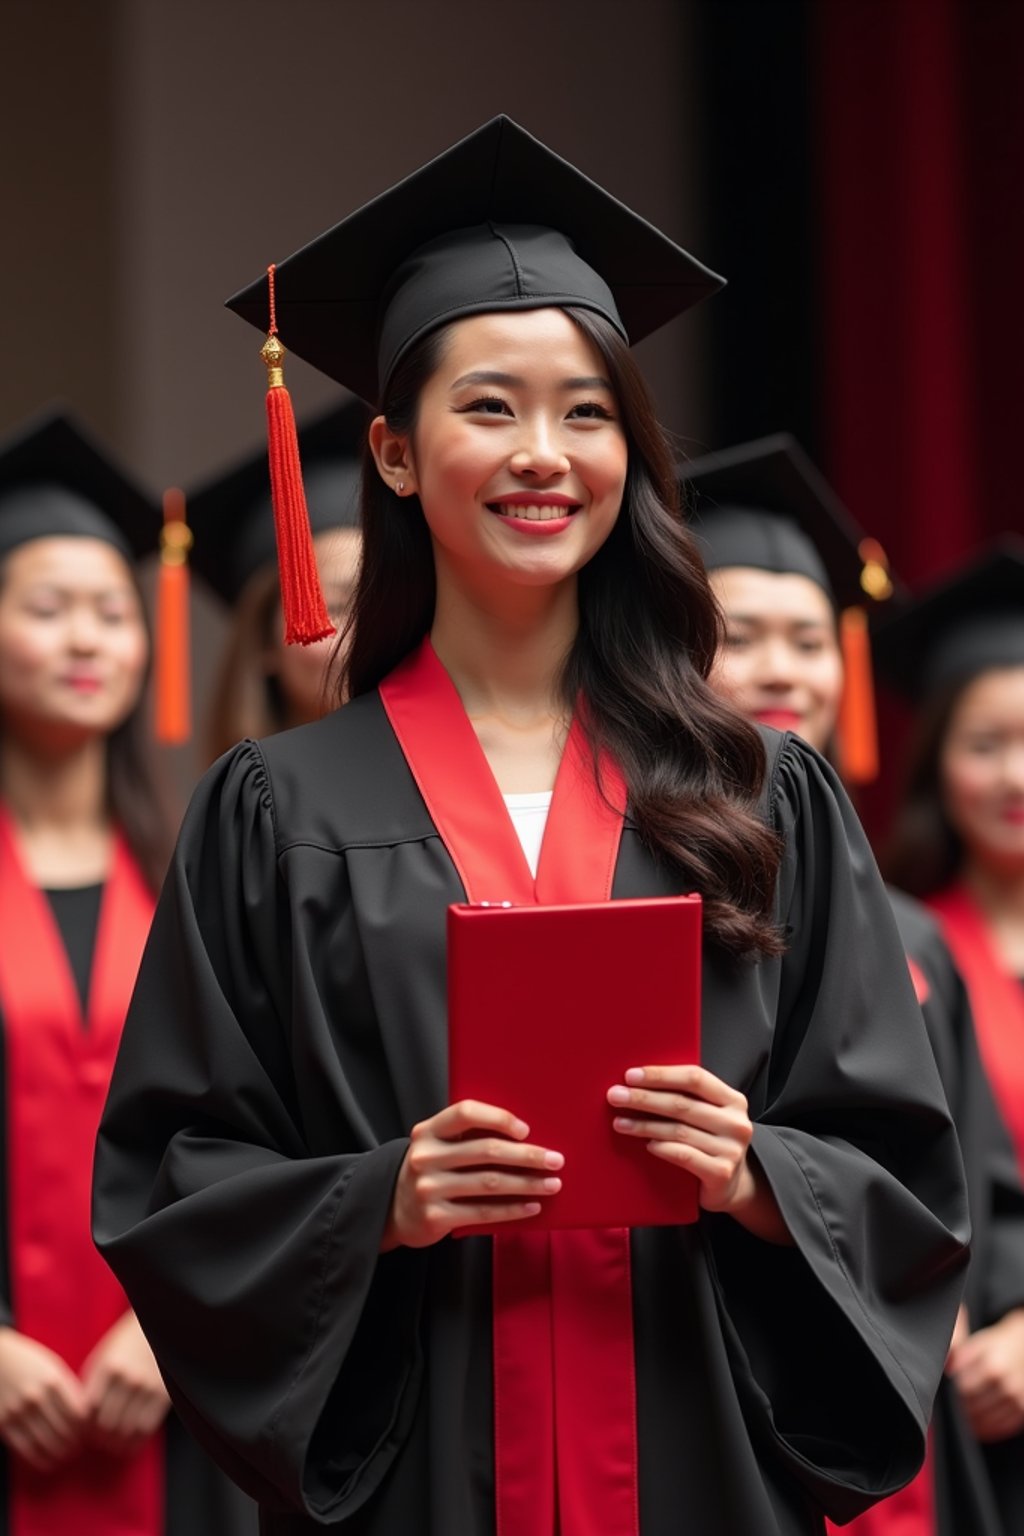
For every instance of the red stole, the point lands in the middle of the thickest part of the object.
(997, 1002)
(564, 1390)
(62, 1293)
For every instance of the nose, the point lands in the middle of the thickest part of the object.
(1013, 766)
(83, 631)
(539, 451)
(776, 664)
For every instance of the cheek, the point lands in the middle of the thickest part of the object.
(825, 679)
(128, 649)
(26, 648)
(301, 668)
(967, 783)
(731, 674)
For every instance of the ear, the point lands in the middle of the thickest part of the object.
(392, 457)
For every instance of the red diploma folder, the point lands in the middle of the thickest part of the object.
(547, 1007)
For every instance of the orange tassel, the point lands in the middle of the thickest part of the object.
(858, 721)
(302, 600)
(173, 691)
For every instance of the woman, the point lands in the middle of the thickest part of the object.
(782, 553)
(281, 1174)
(957, 842)
(263, 685)
(83, 845)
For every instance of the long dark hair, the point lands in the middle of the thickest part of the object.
(649, 629)
(923, 852)
(246, 700)
(137, 799)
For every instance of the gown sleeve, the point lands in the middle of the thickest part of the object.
(253, 1265)
(838, 1342)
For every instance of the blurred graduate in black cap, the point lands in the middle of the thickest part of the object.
(84, 840)
(280, 1172)
(787, 563)
(957, 841)
(264, 685)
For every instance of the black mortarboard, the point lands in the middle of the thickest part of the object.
(55, 481)
(496, 222)
(767, 506)
(232, 517)
(971, 623)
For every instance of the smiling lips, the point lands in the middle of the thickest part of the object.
(527, 507)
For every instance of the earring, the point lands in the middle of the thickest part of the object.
(400, 486)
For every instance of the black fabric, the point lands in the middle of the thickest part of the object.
(973, 622)
(764, 504)
(288, 1030)
(969, 1482)
(497, 221)
(77, 912)
(56, 481)
(232, 515)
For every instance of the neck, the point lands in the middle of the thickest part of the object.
(998, 892)
(505, 655)
(64, 791)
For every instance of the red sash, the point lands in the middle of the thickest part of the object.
(62, 1293)
(564, 1389)
(997, 1002)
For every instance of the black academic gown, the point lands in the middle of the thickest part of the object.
(288, 1030)
(972, 1481)
(198, 1499)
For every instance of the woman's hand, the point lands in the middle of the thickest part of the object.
(691, 1118)
(43, 1409)
(127, 1400)
(988, 1369)
(467, 1166)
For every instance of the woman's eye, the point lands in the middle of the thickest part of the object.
(811, 647)
(489, 406)
(735, 642)
(591, 410)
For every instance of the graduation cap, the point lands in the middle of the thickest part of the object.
(766, 506)
(232, 515)
(57, 482)
(496, 222)
(971, 623)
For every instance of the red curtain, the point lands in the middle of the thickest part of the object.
(920, 176)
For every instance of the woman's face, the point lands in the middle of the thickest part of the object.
(73, 643)
(518, 455)
(981, 769)
(780, 661)
(306, 672)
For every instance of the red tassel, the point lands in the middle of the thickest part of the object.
(858, 721)
(173, 724)
(302, 600)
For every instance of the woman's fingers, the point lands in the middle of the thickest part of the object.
(471, 1215)
(487, 1183)
(688, 1078)
(491, 1151)
(669, 1130)
(471, 1115)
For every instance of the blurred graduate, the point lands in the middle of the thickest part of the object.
(794, 575)
(84, 841)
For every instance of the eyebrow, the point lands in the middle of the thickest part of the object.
(760, 618)
(513, 381)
